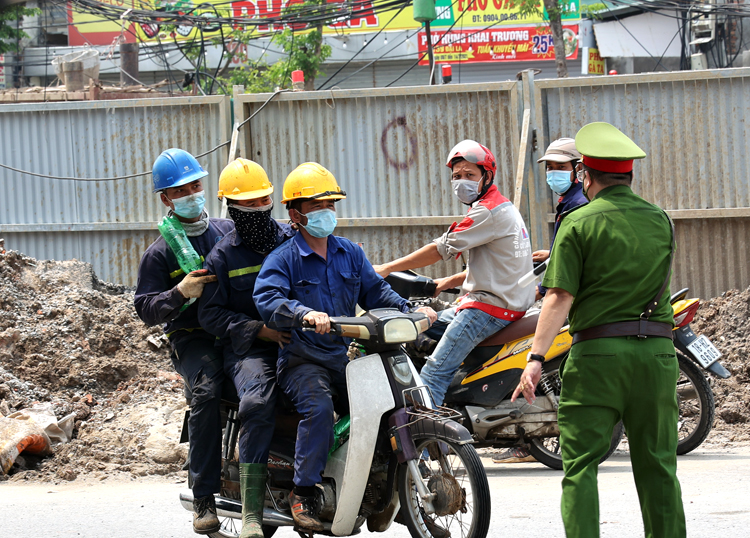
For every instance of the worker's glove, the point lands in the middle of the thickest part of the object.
(191, 286)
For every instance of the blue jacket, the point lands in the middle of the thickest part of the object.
(294, 281)
(226, 307)
(156, 298)
(569, 200)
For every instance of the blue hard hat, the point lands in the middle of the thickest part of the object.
(175, 167)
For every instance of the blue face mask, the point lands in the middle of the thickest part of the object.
(321, 223)
(190, 207)
(558, 180)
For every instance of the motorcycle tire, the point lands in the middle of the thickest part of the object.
(547, 450)
(550, 455)
(459, 479)
(697, 406)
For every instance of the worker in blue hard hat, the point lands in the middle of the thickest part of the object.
(166, 295)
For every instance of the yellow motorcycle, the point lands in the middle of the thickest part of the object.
(482, 386)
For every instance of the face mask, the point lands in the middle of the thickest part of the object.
(558, 180)
(255, 226)
(321, 223)
(465, 190)
(190, 207)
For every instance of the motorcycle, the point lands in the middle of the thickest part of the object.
(393, 455)
(482, 386)
(694, 393)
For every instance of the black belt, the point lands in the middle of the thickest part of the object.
(641, 329)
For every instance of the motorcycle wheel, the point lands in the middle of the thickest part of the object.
(547, 450)
(696, 401)
(231, 527)
(469, 516)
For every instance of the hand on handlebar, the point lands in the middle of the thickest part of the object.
(429, 312)
(382, 270)
(539, 255)
(319, 320)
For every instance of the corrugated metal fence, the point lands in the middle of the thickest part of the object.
(107, 223)
(387, 147)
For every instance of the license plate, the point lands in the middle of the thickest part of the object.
(704, 351)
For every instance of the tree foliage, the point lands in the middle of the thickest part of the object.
(555, 10)
(10, 34)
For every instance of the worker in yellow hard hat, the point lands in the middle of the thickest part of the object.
(227, 310)
(315, 275)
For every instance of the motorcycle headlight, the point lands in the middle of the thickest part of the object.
(399, 330)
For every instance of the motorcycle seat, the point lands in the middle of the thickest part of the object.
(526, 326)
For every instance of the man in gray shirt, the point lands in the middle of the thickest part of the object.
(495, 244)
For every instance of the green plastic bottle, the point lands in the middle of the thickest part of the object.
(174, 234)
(340, 433)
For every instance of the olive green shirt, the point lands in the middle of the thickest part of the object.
(612, 255)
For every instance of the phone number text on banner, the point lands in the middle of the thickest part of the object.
(498, 45)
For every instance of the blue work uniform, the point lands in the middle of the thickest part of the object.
(571, 199)
(293, 282)
(194, 356)
(227, 311)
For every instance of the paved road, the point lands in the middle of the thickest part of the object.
(526, 499)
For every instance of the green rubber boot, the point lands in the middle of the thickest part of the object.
(253, 489)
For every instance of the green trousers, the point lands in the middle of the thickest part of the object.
(604, 381)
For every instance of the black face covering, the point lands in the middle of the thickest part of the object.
(256, 228)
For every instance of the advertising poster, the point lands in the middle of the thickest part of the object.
(498, 44)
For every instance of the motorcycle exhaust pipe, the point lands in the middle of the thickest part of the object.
(232, 508)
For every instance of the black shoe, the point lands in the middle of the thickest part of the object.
(205, 520)
(303, 513)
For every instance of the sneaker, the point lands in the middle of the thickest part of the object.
(303, 513)
(205, 520)
(516, 454)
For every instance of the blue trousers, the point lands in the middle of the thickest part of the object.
(254, 377)
(458, 332)
(199, 363)
(309, 387)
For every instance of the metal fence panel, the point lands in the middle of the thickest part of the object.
(387, 148)
(105, 223)
(694, 128)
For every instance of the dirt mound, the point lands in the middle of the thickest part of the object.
(68, 338)
(725, 321)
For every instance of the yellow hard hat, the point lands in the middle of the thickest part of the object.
(243, 179)
(311, 180)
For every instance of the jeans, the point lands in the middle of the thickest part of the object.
(199, 363)
(459, 333)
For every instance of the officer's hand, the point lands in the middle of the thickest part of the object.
(192, 285)
(320, 320)
(529, 379)
(382, 270)
(429, 312)
(539, 255)
(279, 337)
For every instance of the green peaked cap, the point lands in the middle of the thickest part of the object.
(601, 140)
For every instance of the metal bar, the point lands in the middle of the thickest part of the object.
(692, 214)
(114, 103)
(677, 76)
(522, 158)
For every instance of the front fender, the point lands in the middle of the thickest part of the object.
(442, 429)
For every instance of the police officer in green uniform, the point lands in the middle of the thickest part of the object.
(609, 272)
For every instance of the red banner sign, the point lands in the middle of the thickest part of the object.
(498, 45)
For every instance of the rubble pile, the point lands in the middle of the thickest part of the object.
(70, 339)
(725, 321)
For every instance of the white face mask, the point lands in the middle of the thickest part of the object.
(465, 190)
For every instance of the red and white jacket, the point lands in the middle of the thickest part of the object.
(495, 244)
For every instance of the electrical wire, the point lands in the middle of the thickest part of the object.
(117, 178)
